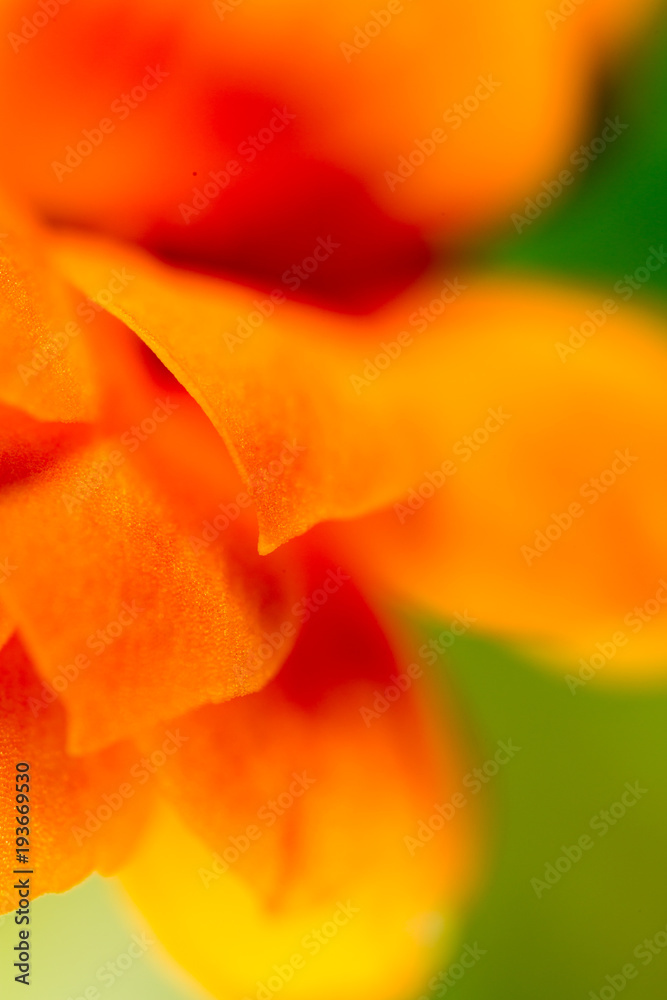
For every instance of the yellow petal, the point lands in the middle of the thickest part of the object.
(322, 849)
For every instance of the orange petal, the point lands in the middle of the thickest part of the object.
(47, 368)
(372, 431)
(304, 800)
(290, 393)
(129, 604)
(543, 518)
(62, 790)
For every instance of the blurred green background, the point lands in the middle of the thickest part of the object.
(578, 750)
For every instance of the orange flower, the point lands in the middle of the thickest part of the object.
(213, 490)
(142, 605)
(138, 606)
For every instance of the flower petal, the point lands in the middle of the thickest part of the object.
(119, 582)
(289, 390)
(543, 518)
(371, 432)
(307, 798)
(47, 369)
(62, 790)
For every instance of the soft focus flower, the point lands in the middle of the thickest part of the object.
(134, 584)
(122, 111)
(215, 486)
